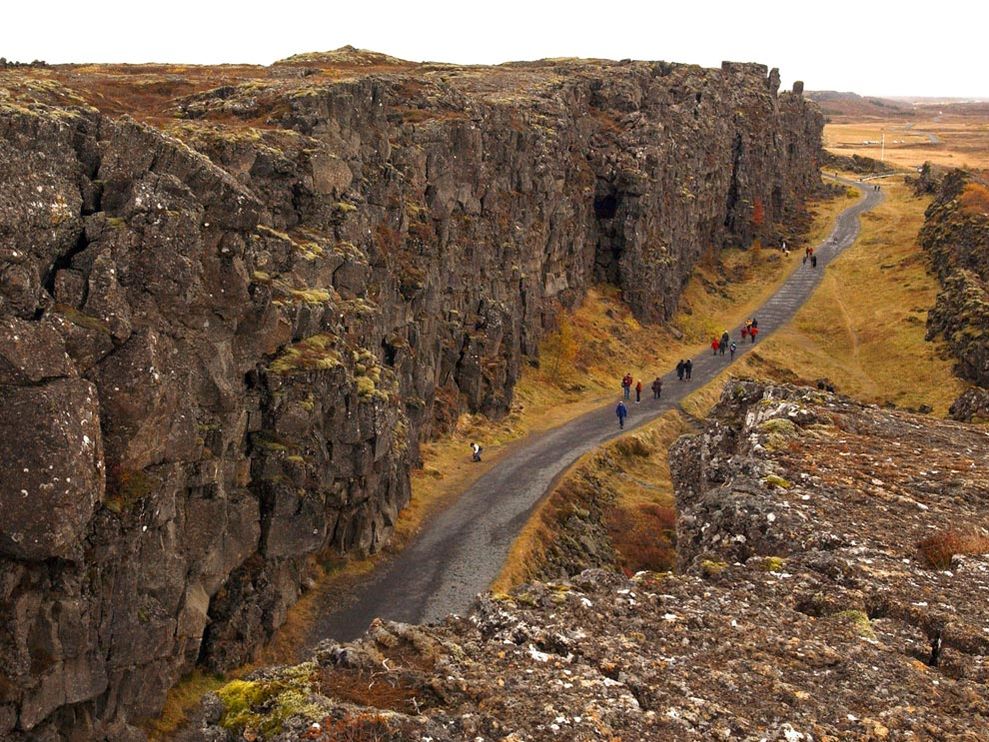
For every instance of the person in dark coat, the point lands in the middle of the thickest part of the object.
(725, 339)
(622, 412)
(687, 368)
(731, 349)
(657, 388)
(626, 385)
(638, 391)
(680, 370)
(813, 261)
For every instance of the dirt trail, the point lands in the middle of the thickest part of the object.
(461, 550)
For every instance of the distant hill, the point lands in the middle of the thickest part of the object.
(833, 103)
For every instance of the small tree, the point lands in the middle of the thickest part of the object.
(561, 346)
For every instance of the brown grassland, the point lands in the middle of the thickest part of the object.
(963, 140)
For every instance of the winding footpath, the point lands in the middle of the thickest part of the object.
(461, 550)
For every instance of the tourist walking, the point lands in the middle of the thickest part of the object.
(813, 261)
(725, 339)
(627, 386)
(687, 368)
(731, 349)
(475, 452)
(622, 411)
(680, 370)
(714, 346)
(657, 388)
(753, 331)
(638, 391)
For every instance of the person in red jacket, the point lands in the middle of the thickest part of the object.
(714, 346)
(638, 391)
(753, 331)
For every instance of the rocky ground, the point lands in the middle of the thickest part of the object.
(832, 584)
(233, 301)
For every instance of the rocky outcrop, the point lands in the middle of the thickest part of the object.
(833, 567)
(971, 406)
(855, 164)
(928, 179)
(227, 322)
(956, 235)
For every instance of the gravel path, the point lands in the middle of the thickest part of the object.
(462, 549)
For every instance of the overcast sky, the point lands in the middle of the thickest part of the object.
(871, 48)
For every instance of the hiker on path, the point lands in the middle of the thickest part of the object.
(622, 411)
(714, 346)
(731, 349)
(475, 452)
(753, 331)
(725, 339)
(657, 388)
(813, 261)
(755, 323)
(680, 370)
(687, 368)
(745, 333)
(627, 385)
(638, 391)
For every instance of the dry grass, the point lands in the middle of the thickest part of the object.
(937, 550)
(634, 470)
(975, 199)
(964, 140)
(864, 326)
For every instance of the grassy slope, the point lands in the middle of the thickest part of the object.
(864, 327)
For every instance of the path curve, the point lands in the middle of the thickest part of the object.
(461, 550)
(931, 136)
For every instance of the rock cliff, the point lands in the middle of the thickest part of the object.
(833, 569)
(956, 235)
(233, 301)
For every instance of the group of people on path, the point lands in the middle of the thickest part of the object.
(627, 385)
(809, 255)
(684, 369)
(725, 343)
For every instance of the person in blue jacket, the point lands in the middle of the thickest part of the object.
(622, 411)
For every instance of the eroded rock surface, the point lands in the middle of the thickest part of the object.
(230, 316)
(803, 608)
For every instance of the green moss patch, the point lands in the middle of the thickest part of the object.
(264, 705)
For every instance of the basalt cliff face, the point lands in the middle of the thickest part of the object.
(956, 236)
(832, 577)
(233, 301)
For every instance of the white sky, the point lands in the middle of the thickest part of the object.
(872, 48)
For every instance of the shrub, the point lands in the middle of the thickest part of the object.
(937, 550)
(645, 538)
(975, 199)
